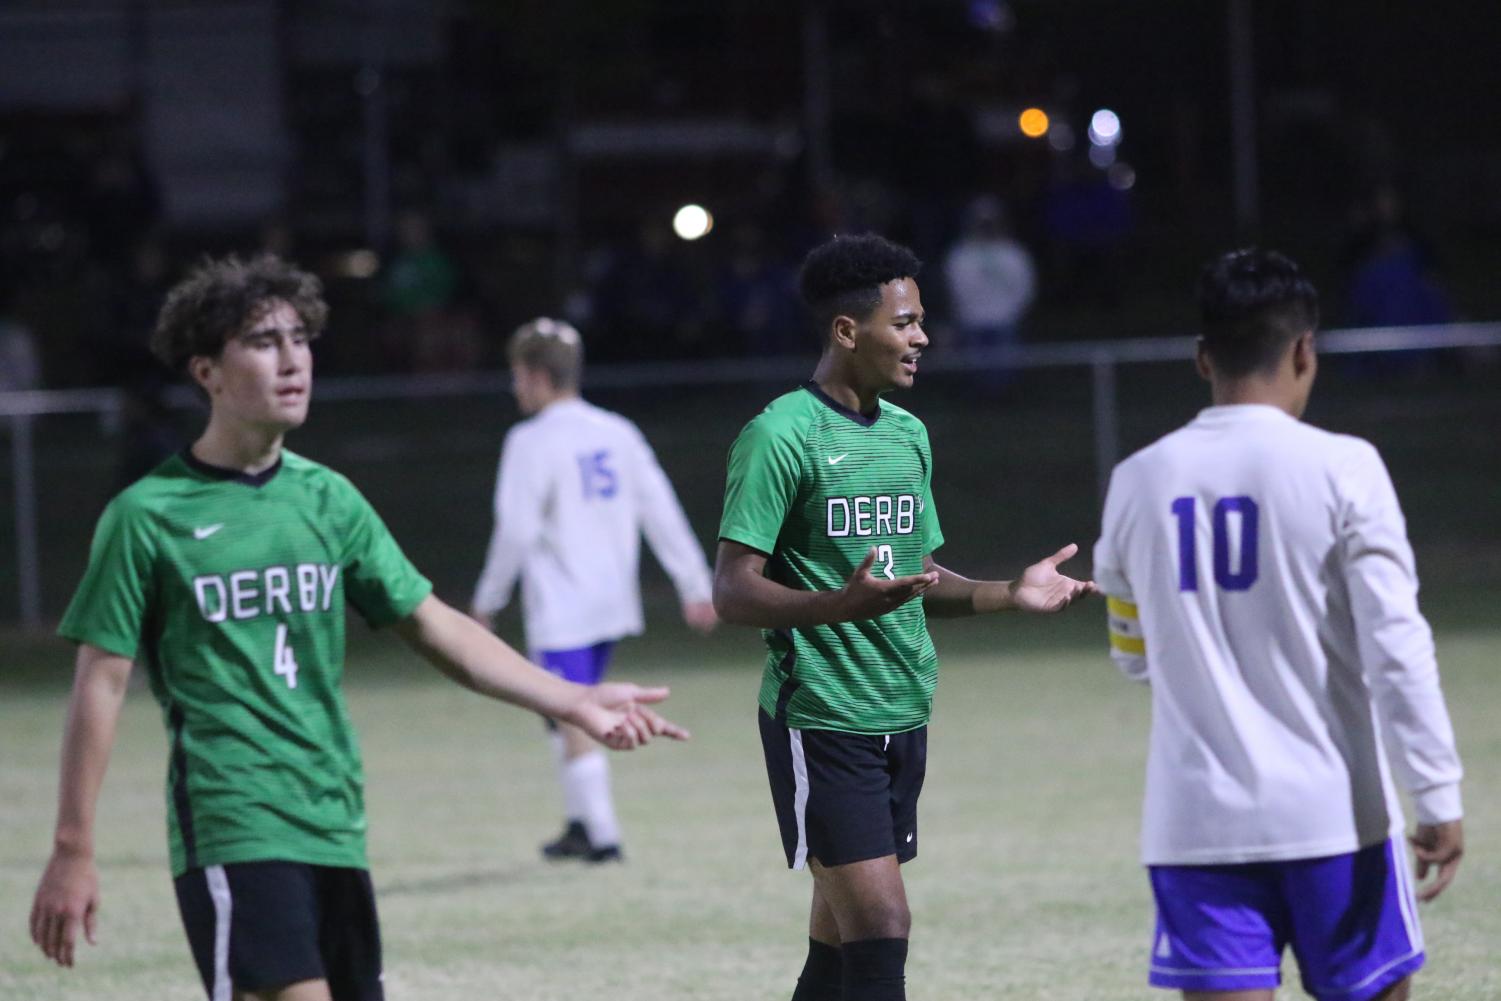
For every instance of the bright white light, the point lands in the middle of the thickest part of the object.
(1102, 156)
(1105, 128)
(692, 222)
(1121, 176)
(1061, 137)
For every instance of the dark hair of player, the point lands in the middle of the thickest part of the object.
(221, 296)
(1254, 303)
(843, 277)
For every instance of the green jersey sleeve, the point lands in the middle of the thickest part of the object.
(379, 580)
(932, 535)
(109, 608)
(765, 469)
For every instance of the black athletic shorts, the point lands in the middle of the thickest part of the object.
(258, 926)
(844, 797)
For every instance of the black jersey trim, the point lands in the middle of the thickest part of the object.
(790, 685)
(864, 420)
(256, 480)
(181, 804)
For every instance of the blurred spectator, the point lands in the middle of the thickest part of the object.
(20, 361)
(991, 279)
(756, 296)
(1087, 221)
(422, 278)
(420, 288)
(1391, 274)
(646, 301)
(122, 203)
(276, 236)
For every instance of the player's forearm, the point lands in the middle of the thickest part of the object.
(470, 655)
(752, 600)
(955, 596)
(93, 710)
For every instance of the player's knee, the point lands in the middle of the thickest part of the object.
(888, 919)
(1400, 991)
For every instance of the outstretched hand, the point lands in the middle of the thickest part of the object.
(1437, 847)
(868, 596)
(1041, 588)
(617, 715)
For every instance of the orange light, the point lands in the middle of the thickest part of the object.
(1033, 123)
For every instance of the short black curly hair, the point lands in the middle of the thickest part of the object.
(843, 277)
(1253, 303)
(221, 296)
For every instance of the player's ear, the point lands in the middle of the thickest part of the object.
(1304, 355)
(1201, 361)
(201, 370)
(842, 331)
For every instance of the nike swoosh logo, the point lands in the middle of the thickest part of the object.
(202, 533)
(835, 460)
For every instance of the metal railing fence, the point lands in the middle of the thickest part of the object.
(1102, 358)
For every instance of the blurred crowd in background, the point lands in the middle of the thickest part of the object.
(475, 169)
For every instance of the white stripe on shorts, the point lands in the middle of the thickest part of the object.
(218, 889)
(800, 798)
(1405, 898)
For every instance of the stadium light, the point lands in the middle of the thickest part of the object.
(1105, 128)
(1033, 122)
(692, 222)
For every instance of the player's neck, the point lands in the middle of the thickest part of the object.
(843, 390)
(1229, 393)
(246, 449)
(547, 398)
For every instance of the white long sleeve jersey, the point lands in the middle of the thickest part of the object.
(1260, 579)
(577, 487)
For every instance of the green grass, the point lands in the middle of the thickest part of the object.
(1027, 884)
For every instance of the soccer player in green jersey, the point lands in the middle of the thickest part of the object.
(225, 572)
(827, 543)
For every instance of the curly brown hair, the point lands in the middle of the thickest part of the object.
(222, 296)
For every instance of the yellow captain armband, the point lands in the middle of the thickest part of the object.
(1125, 627)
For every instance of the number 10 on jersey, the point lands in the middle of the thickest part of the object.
(1235, 565)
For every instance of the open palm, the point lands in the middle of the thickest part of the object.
(1041, 588)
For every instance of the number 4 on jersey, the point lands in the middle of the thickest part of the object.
(285, 662)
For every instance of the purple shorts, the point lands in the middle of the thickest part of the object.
(585, 666)
(1351, 920)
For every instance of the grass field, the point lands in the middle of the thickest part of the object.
(1026, 885)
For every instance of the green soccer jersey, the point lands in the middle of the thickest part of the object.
(815, 486)
(230, 589)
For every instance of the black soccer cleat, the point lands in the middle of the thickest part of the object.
(572, 843)
(605, 853)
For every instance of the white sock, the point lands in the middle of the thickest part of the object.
(586, 780)
(573, 801)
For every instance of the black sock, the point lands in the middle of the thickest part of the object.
(875, 969)
(822, 978)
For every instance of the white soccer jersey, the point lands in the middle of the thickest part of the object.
(577, 487)
(1260, 579)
